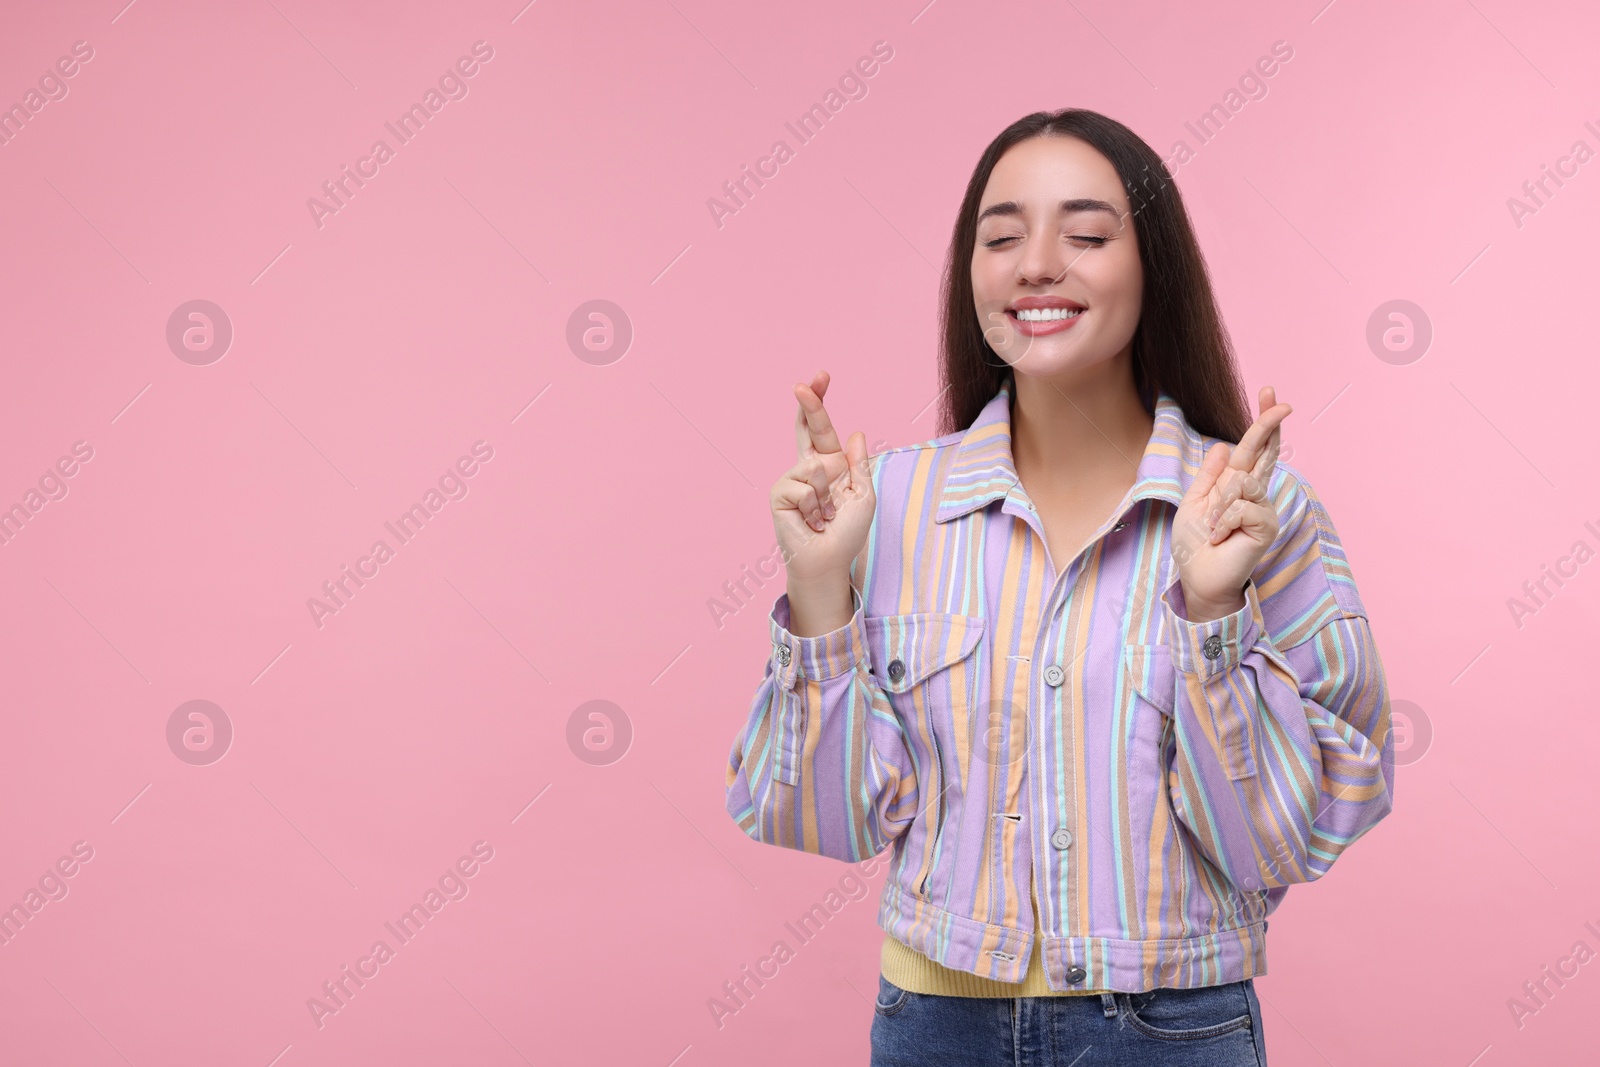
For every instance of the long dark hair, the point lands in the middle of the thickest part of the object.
(1180, 344)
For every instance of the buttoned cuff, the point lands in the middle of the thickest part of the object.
(1215, 647)
(816, 658)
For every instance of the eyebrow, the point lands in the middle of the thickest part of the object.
(1082, 203)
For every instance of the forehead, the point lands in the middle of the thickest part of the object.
(1041, 172)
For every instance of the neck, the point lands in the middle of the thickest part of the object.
(1079, 432)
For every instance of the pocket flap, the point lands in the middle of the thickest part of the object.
(1151, 674)
(906, 650)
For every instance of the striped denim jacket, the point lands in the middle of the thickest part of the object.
(1155, 783)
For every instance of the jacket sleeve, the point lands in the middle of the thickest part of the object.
(822, 764)
(1281, 712)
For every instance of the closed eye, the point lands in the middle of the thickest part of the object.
(1095, 241)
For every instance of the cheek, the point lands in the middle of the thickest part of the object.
(1130, 272)
(1116, 281)
(988, 275)
(990, 286)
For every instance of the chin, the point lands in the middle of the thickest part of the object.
(1038, 361)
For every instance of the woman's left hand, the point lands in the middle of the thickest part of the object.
(1226, 523)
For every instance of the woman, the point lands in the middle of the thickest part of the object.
(1093, 662)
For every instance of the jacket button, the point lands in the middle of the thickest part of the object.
(783, 655)
(1076, 974)
(897, 670)
(1212, 647)
(1053, 674)
(1062, 838)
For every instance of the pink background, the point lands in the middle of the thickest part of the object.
(369, 353)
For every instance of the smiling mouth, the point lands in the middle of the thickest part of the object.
(1044, 314)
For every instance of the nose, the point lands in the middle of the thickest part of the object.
(1044, 260)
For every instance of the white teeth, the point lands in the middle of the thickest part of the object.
(1048, 314)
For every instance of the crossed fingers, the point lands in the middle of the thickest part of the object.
(1243, 480)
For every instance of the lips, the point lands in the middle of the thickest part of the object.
(1036, 316)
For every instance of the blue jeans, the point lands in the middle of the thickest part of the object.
(1214, 1026)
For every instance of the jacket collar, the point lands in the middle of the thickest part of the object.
(983, 471)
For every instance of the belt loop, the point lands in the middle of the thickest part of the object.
(1109, 1003)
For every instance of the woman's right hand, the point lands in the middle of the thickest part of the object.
(822, 507)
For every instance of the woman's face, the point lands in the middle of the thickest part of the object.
(1055, 234)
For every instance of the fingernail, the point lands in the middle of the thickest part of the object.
(827, 512)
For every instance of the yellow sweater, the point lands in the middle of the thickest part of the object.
(910, 969)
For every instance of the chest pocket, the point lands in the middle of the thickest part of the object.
(1155, 678)
(924, 663)
(907, 650)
